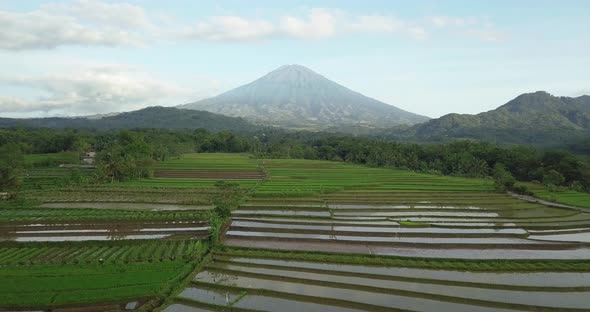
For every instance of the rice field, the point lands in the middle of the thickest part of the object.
(289, 281)
(43, 275)
(568, 197)
(310, 235)
(327, 236)
(101, 246)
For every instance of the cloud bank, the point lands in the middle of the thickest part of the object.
(89, 90)
(97, 23)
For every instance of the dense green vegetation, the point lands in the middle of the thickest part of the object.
(151, 117)
(538, 118)
(133, 154)
(83, 273)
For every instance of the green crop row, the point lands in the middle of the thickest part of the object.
(56, 285)
(76, 214)
(98, 252)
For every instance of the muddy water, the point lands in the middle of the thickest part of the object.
(257, 302)
(364, 297)
(393, 207)
(125, 206)
(388, 239)
(282, 213)
(544, 279)
(209, 296)
(574, 237)
(312, 221)
(374, 229)
(418, 213)
(82, 238)
(62, 231)
(579, 253)
(507, 252)
(577, 300)
(97, 231)
(176, 307)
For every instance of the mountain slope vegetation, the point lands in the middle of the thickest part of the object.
(151, 117)
(531, 118)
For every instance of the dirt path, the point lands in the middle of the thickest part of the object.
(545, 202)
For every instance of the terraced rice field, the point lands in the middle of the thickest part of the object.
(397, 213)
(107, 274)
(282, 282)
(324, 236)
(106, 245)
(311, 236)
(216, 166)
(567, 197)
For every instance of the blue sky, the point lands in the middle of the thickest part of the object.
(83, 57)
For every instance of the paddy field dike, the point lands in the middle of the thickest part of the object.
(302, 236)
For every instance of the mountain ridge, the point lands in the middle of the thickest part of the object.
(149, 117)
(295, 96)
(537, 118)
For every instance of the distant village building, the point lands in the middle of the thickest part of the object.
(88, 158)
(86, 161)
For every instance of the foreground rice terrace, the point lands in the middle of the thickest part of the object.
(305, 235)
(327, 236)
(107, 247)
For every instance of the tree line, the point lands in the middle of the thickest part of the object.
(130, 154)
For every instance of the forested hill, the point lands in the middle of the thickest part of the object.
(151, 117)
(532, 118)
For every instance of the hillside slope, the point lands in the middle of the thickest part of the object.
(296, 97)
(529, 118)
(151, 117)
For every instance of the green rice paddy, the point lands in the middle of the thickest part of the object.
(314, 235)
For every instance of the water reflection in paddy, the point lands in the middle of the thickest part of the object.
(82, 238)
(209, 296)
(396, 229)
(542, 298)
(365, 297)
(537, 279)
(182, 308)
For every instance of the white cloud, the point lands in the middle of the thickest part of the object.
(90, 90)
(94, 22)
(320, 23)
(450, 21)
(230, 28)
(82, 22)
(486, 34)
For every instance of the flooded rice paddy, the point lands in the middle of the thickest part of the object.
(506, 228)
(288, 285)
(58, 232)
(126, 206)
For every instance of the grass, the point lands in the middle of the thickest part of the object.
(568, 197)
(413, 224)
